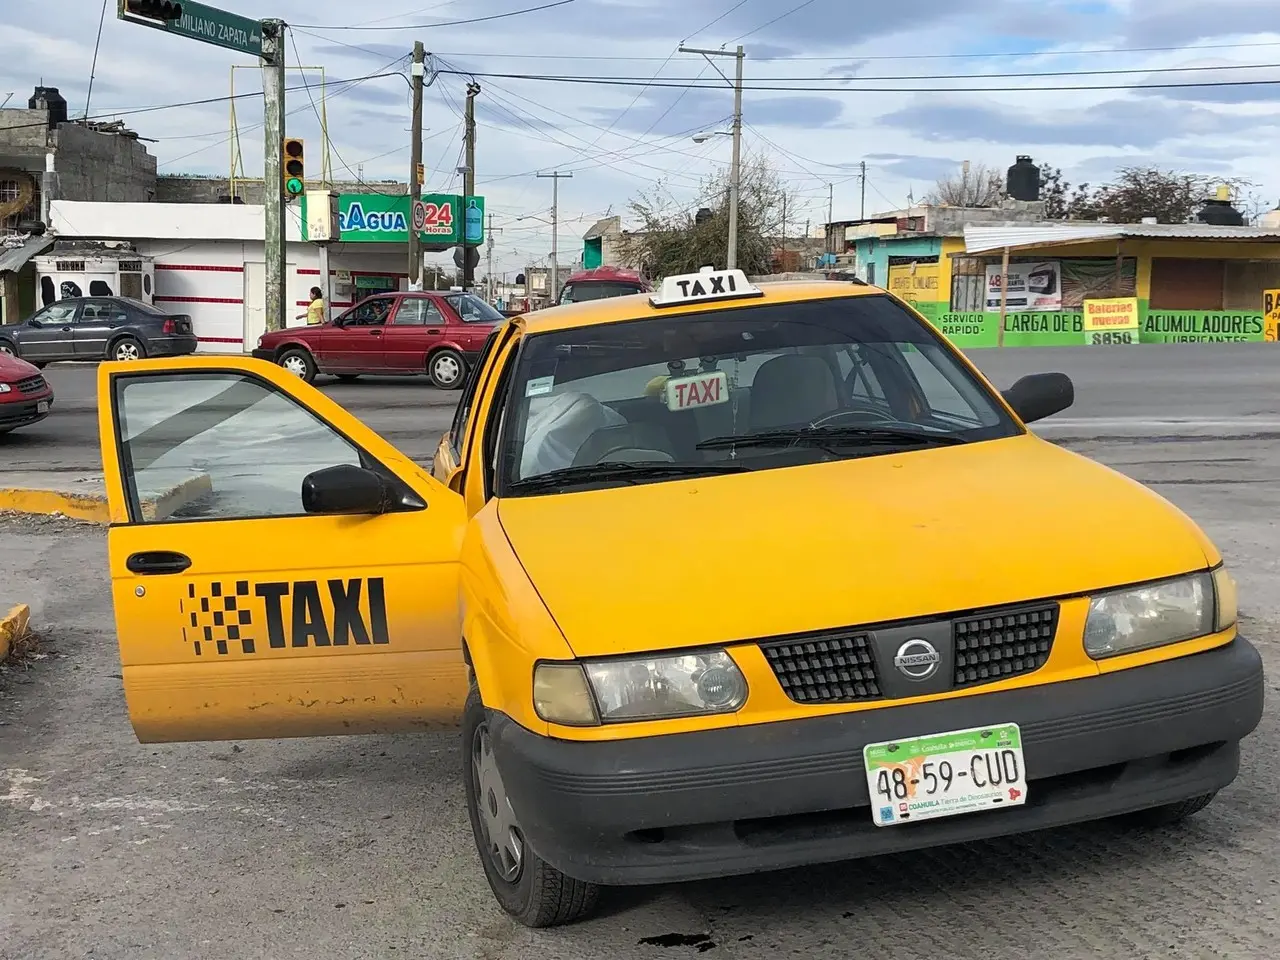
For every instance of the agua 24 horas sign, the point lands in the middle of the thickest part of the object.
(443, 220)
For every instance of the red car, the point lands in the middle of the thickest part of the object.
(438, 334)
(600, 283)
(25, 396)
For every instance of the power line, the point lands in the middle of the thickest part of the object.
(426, 26)
(619, 82)
(828, 78)
(782, 16)
(888, 58)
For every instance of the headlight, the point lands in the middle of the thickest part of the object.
(1155, 614)
(649, 688)
(260, 339)
(5, 388)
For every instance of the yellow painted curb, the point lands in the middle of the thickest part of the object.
(93, 506)
(13, 627)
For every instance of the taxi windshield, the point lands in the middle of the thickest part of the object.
(735, 388)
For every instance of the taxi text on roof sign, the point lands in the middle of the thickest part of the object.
(706, 285)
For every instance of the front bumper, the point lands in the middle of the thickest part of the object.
(268, 355)
(771, 796)
(20, 413)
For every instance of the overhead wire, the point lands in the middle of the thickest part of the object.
(334, 27)
(782, 16)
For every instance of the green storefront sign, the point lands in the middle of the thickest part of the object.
(446, 219)
(1066, 328)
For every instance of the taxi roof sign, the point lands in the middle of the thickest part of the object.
(706, 286)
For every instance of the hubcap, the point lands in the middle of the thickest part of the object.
(447, 369)
(502, 840)
(295, 365)
(127, 351)
(5, 348)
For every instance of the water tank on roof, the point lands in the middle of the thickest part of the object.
(703, 215)
(50, 100)
(1024, 180)
(1220, 212)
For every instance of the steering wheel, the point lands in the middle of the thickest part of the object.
(862, 414)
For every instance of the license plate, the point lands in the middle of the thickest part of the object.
(42, 406)
(945, 774)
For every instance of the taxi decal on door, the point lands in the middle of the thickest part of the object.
(234, 617)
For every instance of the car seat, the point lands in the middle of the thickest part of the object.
(792, 390)
(558, 427)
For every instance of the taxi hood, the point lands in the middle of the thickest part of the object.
(773, 552)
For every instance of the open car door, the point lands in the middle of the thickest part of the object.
(277, 568)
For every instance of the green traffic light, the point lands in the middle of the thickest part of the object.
(293, 186)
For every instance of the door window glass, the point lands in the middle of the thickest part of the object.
(462, 416)
(472, 309)
(417, 312)
(368, 313)
(237, 446)
(55, 314)
(101, 311)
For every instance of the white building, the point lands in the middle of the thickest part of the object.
(209, 262)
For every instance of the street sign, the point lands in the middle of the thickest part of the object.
(419, 215)
(208, 25)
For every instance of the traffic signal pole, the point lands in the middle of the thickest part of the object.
(273, 172)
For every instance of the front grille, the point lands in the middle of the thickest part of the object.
(1000, 644)
(31, 385)
(832, 668)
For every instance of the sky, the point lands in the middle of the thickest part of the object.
(888, 84)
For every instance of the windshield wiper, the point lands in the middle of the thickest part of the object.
(834, 436)
(621, 470)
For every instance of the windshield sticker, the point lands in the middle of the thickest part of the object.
(701, 390)
(539, 386)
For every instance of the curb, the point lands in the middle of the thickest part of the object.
(13, 627)
(93, 506)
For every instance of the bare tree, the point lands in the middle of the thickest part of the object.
(1139, 192)
(975, 185)
(669, 239)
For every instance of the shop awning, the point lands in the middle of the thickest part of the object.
(14, 258)
(983, 239)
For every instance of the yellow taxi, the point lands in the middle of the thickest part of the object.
(722, 579)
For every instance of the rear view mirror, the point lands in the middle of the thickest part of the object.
(346, 489)
(1040, 395)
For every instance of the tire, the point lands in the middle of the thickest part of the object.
(299, 362)
(348, 377)
(126, 349)
(529, 890)
(1170, 813)
(9, 348)
(447, 369)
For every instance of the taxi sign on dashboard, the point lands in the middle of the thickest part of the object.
(707, 285)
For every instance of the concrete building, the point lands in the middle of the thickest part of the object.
(208, 261)
(43, 157)
(189, 188)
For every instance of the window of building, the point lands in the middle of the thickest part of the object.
(1184, 284)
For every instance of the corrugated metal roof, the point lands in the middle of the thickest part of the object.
(984, 239)
(13, 259)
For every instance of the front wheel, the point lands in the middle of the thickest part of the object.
(1170, 813)
(530, 890)
(447, 369)
(298, 362)
(8, 348)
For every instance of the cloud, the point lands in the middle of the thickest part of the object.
(913, 167)
(1114, 123)
(664, 112)
(1179, 22)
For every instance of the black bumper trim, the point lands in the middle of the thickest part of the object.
(268, 355)
(745, 799)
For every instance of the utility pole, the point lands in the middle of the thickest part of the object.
(831, 203)
(415, 161)
(735, 172)
(273, 132)
(863, 215)
(784, 232)
(555, 179)
(489, 247)
(469, 181)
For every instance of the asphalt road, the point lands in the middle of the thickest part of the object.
(349, 848)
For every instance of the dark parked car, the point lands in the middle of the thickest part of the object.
(24, 395)
(98, 328)
(437, 334)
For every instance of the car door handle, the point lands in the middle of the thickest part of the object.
(375, 333)
(435, 331)
(66, 329)
(157, 561)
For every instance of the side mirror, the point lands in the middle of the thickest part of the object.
(345, 489)
(1040, 395)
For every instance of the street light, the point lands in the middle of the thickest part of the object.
(704, 137)
(735, 172)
